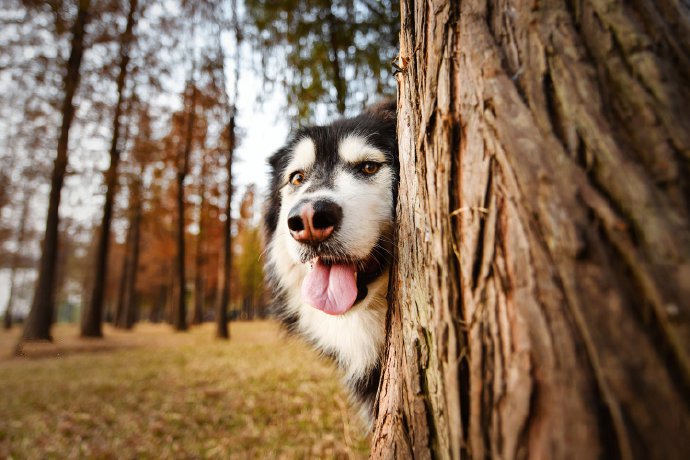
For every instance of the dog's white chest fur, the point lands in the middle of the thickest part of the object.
(355, 338)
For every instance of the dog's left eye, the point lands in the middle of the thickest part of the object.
(297, 178)
(369, 167)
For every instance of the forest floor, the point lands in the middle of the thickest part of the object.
(153, 393)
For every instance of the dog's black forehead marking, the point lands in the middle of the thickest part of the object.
(377, 126)
(327, 140)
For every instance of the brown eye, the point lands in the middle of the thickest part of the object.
(297, 178)
(369, 167)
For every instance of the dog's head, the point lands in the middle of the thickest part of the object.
(329, 215)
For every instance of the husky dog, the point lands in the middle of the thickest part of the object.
(329, 225)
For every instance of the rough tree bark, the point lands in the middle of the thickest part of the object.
(42, 310)
(92, 317)
(541, 301)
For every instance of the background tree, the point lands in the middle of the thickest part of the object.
(90, 265)
(248, 265)
(158, 246)
(541, 298)
(179, 318)
(142, 154)
(338, 51)
(200, 256)
(41, 315)
(17, 256)
(230, 137)
(92, 316)
(222, 330)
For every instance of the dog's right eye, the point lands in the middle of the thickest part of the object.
(297, 178)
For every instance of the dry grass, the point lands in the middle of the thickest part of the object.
(158, 394)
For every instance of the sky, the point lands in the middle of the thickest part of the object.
(265, 131)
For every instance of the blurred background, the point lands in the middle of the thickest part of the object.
(133, 145)
(191, 67)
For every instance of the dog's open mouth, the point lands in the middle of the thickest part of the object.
(334, 287)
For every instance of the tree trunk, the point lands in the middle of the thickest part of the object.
(541, 299)
(159, 305)
(200, 259)
(222, 330)
(40, 316)
(338, 80)
(131, 300)
(118, 321)
(21, 240)
(126, 307)
(7, 319)
(179, 318)
(92, 318)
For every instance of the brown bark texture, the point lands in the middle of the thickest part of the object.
(541, 299)
(40, 317)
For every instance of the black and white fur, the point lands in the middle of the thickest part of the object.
(330, 155)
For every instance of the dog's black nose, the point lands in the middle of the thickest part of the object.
(311, 222)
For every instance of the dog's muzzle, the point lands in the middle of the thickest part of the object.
(312, 222)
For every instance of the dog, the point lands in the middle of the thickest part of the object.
(328, 223)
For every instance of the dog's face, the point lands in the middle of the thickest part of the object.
(330, 212)
(329, 226)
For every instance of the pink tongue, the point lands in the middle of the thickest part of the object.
(330, 288)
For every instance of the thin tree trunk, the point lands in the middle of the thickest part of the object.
(131, 300)
(21, 240)
(180, 306)
(159, 304)
(7, 320)
(338, 80)
(124, 278)
(93, 316)
(126, 307)
(222, 330)
(40, 316)
(540, 301)
(171, 294)
(200, 259)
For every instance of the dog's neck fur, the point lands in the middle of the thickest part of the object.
(353, 339)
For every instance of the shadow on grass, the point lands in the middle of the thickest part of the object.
(66, 341)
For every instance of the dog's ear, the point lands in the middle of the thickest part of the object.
(279, 160)
(385, 110)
